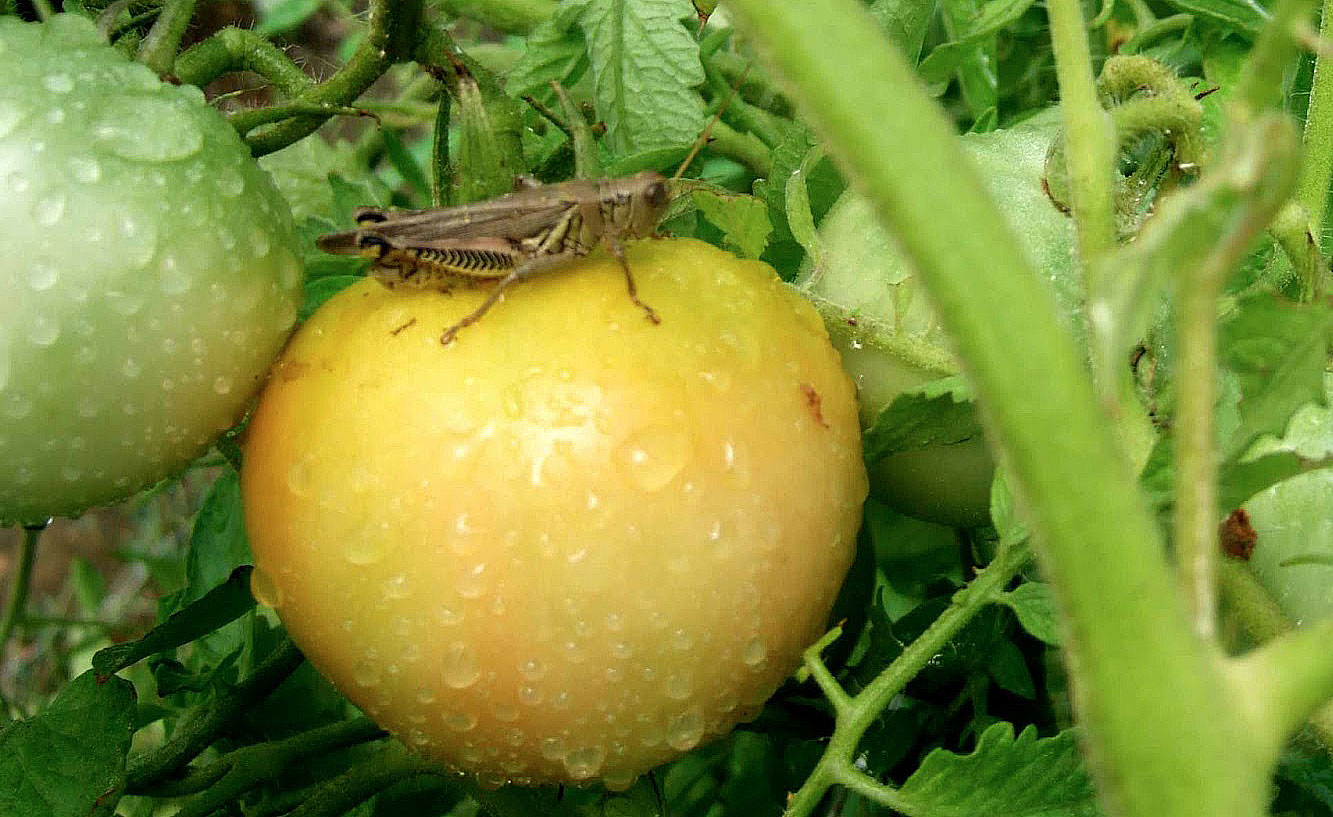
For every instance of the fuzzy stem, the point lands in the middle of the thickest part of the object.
(19, 585)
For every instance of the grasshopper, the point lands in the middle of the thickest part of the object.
(507, 239)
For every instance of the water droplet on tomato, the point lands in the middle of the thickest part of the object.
(264, 589)
(395, 587)
(505, 712)
(43, 330)
(41, 276)
(755, 652)
(119, 128)
(472, 581)
(366, 673)
(174, 279)
(10, 116)
(448, 615)
(618, 781)
(17, 405)
(461, 669)
(222, 384)
(653, 456)
(530, 695)
(584, 762)
(48, 210)
(60, 83)
(679, 686)
(460, 721)
(85, 169)
(552, 748)
(685, 730)
(364, 547)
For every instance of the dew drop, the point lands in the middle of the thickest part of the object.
(173, 136)
(366, 673)
(259, 243)
(59, 83)
(85, 169)
(506, 713)
(622, 649)
(552, 748)
(70, 474)
(584, 762)
(461, 669)
(174, 279)
(532, 669)
(17, 182)
(10, 116)
(530, 695)
(395, 587)
(755, 652)
(472, 582)
(222, 384)
(43, 330)
(460, 721)
(41, 276)
(17, 405)
(653, 456)
(364, 548)
(685, 730)
(264, 589)
(230, 182)
(298, 478)
(681, 639)
(87, 407)
(448, 615)
(131, 368)
(48, 210)
(679, 686)
(425, 696)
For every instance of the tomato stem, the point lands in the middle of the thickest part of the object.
(19, 587)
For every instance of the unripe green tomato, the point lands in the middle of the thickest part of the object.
(890, 338)
(1293, 552)
(147, 269)
(571, 544)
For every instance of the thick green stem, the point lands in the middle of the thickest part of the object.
(509, 16)
(1285, 681)
(1089, 137)
(1140, 699)
(19, 585)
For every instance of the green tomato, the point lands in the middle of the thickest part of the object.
(1293, 552)
(890, 337)
(147, 267)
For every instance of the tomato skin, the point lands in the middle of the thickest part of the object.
(571, 544)
(147, 269)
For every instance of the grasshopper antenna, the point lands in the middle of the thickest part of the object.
(717, 117)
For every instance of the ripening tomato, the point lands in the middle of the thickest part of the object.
(571, 544)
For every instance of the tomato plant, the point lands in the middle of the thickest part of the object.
(149, 281)
(1073, 265)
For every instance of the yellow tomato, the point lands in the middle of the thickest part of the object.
(571, 544)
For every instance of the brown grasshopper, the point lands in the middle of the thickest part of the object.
(507, 239)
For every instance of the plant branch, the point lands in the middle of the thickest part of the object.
(1249, 182)
(508, 16)
(856, 714)
(205, 724)
(240, 49)
(1260, 85)
(20, 584)
(1139, 698)
(1089, 137)
(158, 49)
(1285, 681)
(388, 768)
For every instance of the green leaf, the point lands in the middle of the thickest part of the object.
(406, 164)
(69, 760)
(742, 219)
(1034, 606)
(556, 51)
(318, 291)
(1007, 667)
(1277, 350)
(1239, 481)
(938, 413)
(1025, 776)
(221, 605)
(906, 21)
(940, 64)
(1246, 15)
(645, 67)
(285, 15)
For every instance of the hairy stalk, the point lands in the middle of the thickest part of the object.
(1317, 168)
(1089, 137)
(158, 49)
(509, 16)
(240, 49)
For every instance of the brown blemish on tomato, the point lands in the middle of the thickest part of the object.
(292, 370)
(813, 402)
(1238, 538)
(395, 332)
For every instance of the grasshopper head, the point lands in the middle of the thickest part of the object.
(648, 198)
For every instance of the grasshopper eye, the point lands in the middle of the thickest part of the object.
(373, 246)
(656, 194)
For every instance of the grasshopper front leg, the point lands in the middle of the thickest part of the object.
(619, 250)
